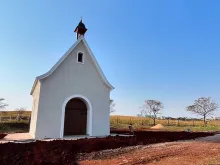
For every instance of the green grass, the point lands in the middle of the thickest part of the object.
(12, 127)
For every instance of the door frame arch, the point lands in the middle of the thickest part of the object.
(89, 113)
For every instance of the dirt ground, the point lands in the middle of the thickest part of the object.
(173, 153)
(66, 152)
(2, 135)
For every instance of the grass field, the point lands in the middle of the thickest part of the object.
(171, 125)
(14, 127)
(122, 122)
(14, 113)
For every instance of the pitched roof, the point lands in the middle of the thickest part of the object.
(64, 57)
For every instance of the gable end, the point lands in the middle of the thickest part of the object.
(64, 57)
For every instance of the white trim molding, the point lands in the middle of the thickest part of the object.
(89, 114)
(64, 57)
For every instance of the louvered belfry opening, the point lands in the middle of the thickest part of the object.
(75, 122)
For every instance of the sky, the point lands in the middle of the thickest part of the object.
(163, 50)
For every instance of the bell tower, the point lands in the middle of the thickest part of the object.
(80, 29)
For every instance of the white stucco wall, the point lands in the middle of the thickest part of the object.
(72, 78)
(36, 96)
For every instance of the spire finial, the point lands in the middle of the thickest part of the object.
(81, 18)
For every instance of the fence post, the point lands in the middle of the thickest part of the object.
(193, 123)
(178, 122)
(168, 121)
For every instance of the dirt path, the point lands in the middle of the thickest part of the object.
(215, 138)
(174, 153)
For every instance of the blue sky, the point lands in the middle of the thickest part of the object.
(165, 50)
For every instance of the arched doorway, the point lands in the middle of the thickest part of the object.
(75, 121)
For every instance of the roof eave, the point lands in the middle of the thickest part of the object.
(63, 58)
(97, 65)
(34, 85)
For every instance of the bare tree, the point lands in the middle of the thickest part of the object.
(20, 112)
(2, 105)
(140, 115)
(204, 107)
(152, 108)
(168, 120)
(112, 105)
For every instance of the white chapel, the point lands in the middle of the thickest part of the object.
(73, 97)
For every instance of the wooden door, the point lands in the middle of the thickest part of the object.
(75, 122)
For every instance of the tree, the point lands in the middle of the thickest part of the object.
(204, 107)
(2, 105)
(152, 108)
(139, 115)
(168, 120)
(142, 112)
(112, 105)
(20, 112)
